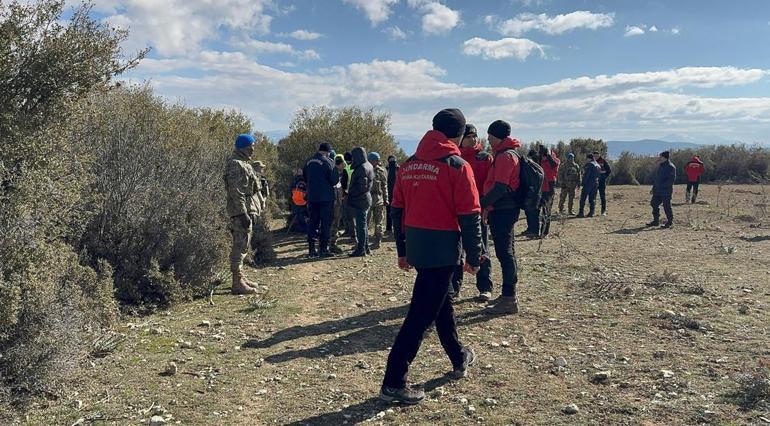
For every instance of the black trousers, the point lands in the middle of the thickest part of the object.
(603, 195)
(501, 224)
(483, 277)
(544, 215)
(589, 194)
(430, 303)
(320, 223)
(388, 219)
(692, 187)
(656, 201)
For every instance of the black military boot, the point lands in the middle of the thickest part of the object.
(312, 252)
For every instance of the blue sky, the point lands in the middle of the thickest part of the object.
(688, 70)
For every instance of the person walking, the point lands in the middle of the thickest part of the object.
(569, 180)
(694, 169)
(472, 151)
(502, 211)
(360, 199)
(321, 177)
(550, 162)
(662, 190)
(242, 188)
(379, 199)
(604, 173)
(590, 185)
(392, 171)
(435, 215)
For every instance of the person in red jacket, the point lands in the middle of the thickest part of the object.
(436, 215)
(502, 210)
(694, 169)
(549, 161)
(472, 151)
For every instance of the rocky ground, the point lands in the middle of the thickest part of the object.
(620, 324)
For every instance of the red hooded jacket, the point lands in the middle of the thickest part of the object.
(550, 171)
(435, 200)
(503, 176)
(694, 169)
(480, 162)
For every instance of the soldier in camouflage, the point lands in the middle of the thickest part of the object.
(243, 205)
(569, 180)
(379, 198)
(261, 242)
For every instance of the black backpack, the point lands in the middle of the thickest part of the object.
(531, 178)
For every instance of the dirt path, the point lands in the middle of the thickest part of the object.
(632, 325)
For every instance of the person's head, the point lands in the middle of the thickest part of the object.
(570, 157)
(470, 137)
(542, 150)
(325, 148)
(450, 122)
(391, 159)
(245, 144)
(532, 153)
(664, 156)
(339, 162)
(374, 158)
(348, 156)
(497, 132)
(590, 157)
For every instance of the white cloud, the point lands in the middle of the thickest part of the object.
(633, 31)
(653, 29)
(305, 35)
(395, 33)
(376, 10)
(519, 48)
(675, 31)
(601, 106)
(437, 18)
(269, 47)
(174, 27)
(555, 25)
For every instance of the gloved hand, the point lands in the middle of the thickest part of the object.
(245, 221)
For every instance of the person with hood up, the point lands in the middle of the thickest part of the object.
(501, 211)
(243, 207)
(379, 199)
(436, 215)
(472, 151)
(662, 190)
(392, 171)
(569, 180)
(360, 198)
(604, 174)
(694, 169)
(591, 173)
(321, 177)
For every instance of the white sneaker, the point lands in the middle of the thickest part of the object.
(485, 296)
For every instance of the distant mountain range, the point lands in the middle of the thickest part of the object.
(645, 147)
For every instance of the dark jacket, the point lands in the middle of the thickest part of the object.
(591, 173)
(436, 206)
(480, 161)
(321, 176)
(392, 172)
(361, 181)
(665, 176)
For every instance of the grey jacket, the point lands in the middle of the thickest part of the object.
(665, 176)
(361, 182)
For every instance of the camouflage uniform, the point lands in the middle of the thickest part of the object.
(379, 195)
(569, 180)
(242, 185)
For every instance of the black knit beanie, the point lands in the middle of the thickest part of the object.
(499, 129)
(450, 122)
(665, 154)
(470, 129)
(325, 147)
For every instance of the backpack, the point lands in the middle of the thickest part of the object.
(531, 177)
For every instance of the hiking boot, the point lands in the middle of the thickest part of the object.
(325, 254)
(336, 250)
(580, 215)
(240, 287)
(469, 358)
(504, 305)
(529, 234)
(590, 214)
(375, 244)
(604, 213)
(655, 222)
(668, 224)
(407, 395)
(311, 251)
(571, 213)
(357, 253)
(485, 296)
(368, 251)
